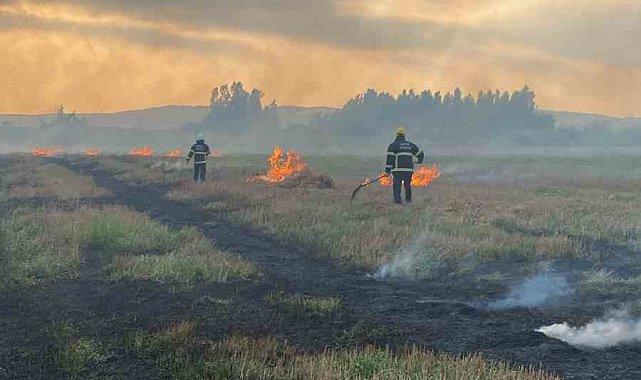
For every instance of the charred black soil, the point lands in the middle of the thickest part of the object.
(439, 315)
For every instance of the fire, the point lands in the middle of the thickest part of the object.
(174, 153)
(216, 153)
(281, 166)
(47, 152)
(145, 151)
(425, 175)
(422, 177)
(92, 152)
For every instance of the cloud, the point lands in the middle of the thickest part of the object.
(316, 52)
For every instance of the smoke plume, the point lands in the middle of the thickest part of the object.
(544, 288)
(406, 261)
(616, 328)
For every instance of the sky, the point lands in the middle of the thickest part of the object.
(113, 55)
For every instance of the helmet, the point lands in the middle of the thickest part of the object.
(400, 131)
(200, 137)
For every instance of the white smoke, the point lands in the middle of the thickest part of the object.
(406, 261)
(544, 288)
(617, 328)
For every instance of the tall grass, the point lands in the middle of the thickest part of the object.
(179, 354)
(45, 244)
(30, 254)
(482, 210)
(72, 353)
(34, 178)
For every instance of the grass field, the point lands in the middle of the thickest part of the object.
(25, 176)
(181, 355)
(488, 221)
(485, 212)
(45, 244)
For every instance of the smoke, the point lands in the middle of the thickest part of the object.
(544, 288)
(406, 261)
(616, 328)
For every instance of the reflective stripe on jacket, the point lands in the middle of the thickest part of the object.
(401, 154)
(199, 151)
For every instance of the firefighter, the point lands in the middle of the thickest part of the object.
(199, 151)
(400, 163)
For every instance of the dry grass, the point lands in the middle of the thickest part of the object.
(45, 244)
(138, 169)
(35, 251)
(180, 354)
(490, 221)
(32, 177)
(467, 215)
(301, 305)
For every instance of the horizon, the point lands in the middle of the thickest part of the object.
(206, 106)
(86, 53)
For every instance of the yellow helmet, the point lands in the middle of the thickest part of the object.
(400, 131)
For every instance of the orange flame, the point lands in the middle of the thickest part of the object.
(174, 153)
(281, 166)
(422, 177)
(47, 152)
(145, 151)
(92, 152)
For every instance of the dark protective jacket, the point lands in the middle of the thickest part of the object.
(199, 151)
(401, 154)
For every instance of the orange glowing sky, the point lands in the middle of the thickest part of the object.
(111, 55)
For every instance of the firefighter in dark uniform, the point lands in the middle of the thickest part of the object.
(199, 151)
(400, 163)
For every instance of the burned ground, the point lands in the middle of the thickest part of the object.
(433, 313)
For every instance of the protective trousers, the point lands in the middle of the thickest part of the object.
(402, 179)
(200, 170)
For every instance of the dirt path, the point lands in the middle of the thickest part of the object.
(431, 314)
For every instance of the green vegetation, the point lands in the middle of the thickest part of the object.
(74, 353)
(44, 244)
(481, 211)
(179, 354)
(176, 267)
(304, 305)
(31, 253)
(608, 285)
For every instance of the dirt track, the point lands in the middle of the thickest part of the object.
(435, 314)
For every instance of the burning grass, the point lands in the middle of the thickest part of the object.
(179, 353)
(46, 244)
(34, 178)
(145, 151)
(47, 152)
(281, 166)
(174, 153)
(91, 152)
(423, 177)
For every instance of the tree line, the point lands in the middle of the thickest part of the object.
(449, 117)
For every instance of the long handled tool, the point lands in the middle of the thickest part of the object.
(367, 183)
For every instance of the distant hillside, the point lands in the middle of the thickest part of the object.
(584, 120)
(167, 118)
(171, 118)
